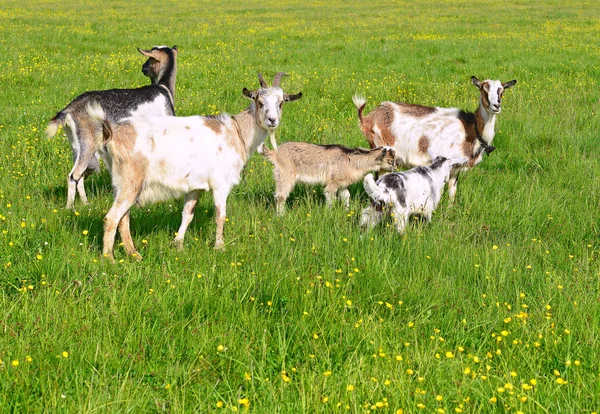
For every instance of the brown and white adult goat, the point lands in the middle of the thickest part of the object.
(158, 158)
(419, 133)
(154, 99)
(334, 166)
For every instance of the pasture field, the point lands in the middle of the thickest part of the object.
(493, 307)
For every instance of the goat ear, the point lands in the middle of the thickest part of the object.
(249, 94)
(381, 156)
(475, 82)
(175, 48)
(509, 84)
(289, 98)
(145, 52)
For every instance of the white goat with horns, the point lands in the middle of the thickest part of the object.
(158, 158)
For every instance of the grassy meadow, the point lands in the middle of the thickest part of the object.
(493, 307)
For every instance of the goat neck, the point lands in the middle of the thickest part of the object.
(249, 130)
(169, 74)
(485, 122)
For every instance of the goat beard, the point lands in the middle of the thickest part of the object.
(273, 142)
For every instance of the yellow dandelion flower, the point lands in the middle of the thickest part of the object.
(350, 388)
(65, 354)
(439, 398)
(327, 374)
(449, 354)
(493, 400)
(15, 363)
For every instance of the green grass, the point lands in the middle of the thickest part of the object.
(500, 289)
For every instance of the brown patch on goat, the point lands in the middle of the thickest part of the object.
(424, 144)
(233, 139)
(485, 100)
(473, 125)
(366, 126)
(125, 136)
(376, 126)
(417, 111)
(214, 124)
(383, 117)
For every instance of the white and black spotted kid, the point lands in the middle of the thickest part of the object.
(416, 191)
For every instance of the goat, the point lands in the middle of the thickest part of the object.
(419, 134)
(158, 158)
(334, 166)
(416, 191)
(154, 99)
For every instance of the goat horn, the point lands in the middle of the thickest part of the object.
(263, 84)
(277, 78)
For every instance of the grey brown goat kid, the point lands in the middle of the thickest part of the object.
(334, 166)
(154, 99)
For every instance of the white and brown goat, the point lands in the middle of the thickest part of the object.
(158, 158)
(334, 166)
(419, 133)
(154, 99)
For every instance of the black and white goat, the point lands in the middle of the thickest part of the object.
(334, 166)
(156, 158)
(416, 191)
(154, 99)
(419, 134)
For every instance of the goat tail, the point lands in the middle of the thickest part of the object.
(96, 112)
(373, 189)
(359, 102)
(55, 123)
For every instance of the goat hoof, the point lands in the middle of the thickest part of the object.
(220, 245)
(109, 257)
(178, 244)
(137, 256)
